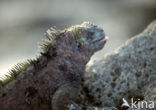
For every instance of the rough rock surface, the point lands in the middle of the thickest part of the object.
(128, 72)
(75, 106)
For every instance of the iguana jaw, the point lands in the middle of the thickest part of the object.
(99, 43)
(105, 39)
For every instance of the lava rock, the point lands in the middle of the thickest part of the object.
(128, 72)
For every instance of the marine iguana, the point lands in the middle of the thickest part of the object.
(52, 81)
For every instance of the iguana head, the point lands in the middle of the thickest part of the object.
(88, 34)
(85, 34)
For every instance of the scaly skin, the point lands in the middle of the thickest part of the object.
(53, 80)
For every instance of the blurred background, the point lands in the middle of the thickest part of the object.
(24, 22)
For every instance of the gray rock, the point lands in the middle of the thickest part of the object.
(128, 72)
(75, 106)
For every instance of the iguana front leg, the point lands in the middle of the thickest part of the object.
(64, 96)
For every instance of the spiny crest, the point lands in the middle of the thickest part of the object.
(51, 35)
(78, 30)
(19, 68)
(14, 72)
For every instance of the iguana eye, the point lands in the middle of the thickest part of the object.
(79, 45)
(90, 33)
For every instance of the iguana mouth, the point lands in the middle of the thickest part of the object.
(103, 39)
